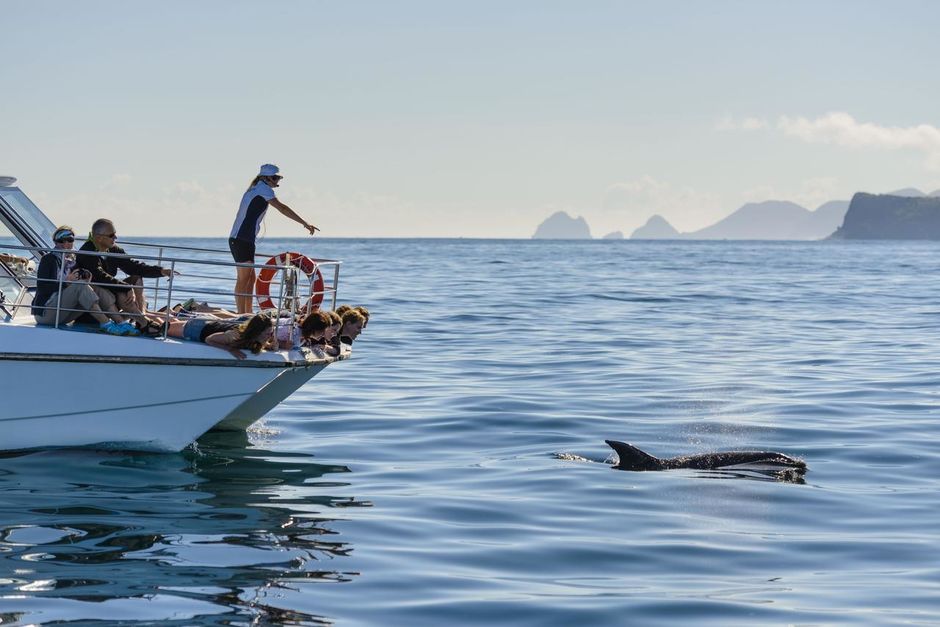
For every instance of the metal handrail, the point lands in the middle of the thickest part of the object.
(206, 262)
(288, 282)
(211, 250)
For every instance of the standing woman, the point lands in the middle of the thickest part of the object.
(247, 224)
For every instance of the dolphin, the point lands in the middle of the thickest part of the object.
(632, 458)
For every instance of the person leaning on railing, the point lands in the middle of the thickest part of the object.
(76, 292)
(353, 322)
(126, 295)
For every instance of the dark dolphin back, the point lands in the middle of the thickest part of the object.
(632, 458)
(734, 458)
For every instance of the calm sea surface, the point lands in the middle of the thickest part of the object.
(454, 471)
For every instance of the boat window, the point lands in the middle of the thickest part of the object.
(10, 290)
(29, 214)
(7, 241)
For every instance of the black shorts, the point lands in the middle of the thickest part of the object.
(242, 251)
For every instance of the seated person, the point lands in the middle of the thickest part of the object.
(255, 334)
(123, 295)
(76, 292)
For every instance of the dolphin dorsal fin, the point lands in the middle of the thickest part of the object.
(632, 458)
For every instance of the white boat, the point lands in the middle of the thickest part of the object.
(70, 387)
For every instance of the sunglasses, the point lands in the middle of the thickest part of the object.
(66, 239)
(108, 235)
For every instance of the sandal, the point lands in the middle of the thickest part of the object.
(151, 329)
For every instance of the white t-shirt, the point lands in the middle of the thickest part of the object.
(251, 211)
(283, 332)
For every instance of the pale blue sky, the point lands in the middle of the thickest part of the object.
(474, 119)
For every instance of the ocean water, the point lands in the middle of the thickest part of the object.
(454, 471)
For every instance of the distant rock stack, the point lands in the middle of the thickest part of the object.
(656, 228)
(560, 225)
(886, 216)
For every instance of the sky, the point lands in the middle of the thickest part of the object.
(463, 119)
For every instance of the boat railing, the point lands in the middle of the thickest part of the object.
(201, 277)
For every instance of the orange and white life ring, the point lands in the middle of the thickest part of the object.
(302, 263)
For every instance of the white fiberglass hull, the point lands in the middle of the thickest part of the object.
(132, 393)
(140, 407)
(267, 398)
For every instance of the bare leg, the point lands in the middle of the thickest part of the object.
(244, 284)
(127, 302)
(108, 303)
(139, 293)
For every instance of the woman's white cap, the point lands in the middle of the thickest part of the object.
(269, 169)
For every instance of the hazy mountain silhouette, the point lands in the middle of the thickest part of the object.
(560, 225)
(826, 214)
(775, 219)
(907, 192)
(887, 216)
(656, 228)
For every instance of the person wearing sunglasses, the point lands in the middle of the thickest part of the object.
(123, 294)
(241, 241)
(59, 267)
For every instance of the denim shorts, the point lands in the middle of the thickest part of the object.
(193, 329)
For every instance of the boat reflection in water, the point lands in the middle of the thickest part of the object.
(211, 532)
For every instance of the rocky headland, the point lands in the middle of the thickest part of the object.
(887, 216)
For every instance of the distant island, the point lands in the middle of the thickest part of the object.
(656, 228)
(903, 214)
(560, 225)
(889, 216)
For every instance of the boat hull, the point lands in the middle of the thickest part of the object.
(120, 405)
(267, 398)
(134, 393)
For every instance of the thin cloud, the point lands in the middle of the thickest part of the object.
(729, 123)
(842, 129)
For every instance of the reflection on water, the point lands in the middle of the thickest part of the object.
(123, 536)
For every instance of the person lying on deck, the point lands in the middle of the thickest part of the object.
(314, 331)
(353, 321)
(256, 334)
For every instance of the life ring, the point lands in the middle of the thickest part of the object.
(302, 263)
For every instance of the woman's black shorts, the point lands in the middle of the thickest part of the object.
(242, 251)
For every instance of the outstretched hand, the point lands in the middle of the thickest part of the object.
(312, 229)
